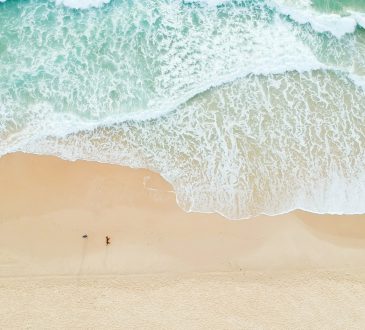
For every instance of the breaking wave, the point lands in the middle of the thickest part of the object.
(338, 25)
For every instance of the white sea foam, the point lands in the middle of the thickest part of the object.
(264, 51)
(79, 4)
(250, 115)
(358, 80)
(261, 145)
(82, 4)
(179, 65)
(302, 12)
(359, 17)
(211, 3)
(321, 22)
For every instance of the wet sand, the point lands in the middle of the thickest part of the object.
(164, 268)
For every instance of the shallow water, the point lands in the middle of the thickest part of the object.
(246, 107)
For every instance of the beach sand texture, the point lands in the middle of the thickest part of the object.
(164, 269)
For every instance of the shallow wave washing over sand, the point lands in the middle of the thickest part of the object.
(243, 107)
(252, 156)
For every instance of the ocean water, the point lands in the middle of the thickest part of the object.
(245, 107)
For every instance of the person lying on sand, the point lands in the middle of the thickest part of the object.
(107, 240)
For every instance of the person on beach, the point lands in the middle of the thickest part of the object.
(107, 240)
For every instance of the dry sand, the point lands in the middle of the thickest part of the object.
(164, 268)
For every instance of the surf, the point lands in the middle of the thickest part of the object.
(243, 108)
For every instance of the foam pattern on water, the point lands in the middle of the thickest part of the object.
(263, 144)
(79, 4)
(82, 4)
(335, 23)
(244, 109)
(146, 57)
(143, 59)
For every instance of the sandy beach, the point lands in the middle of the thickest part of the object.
(164, 268)
(167, 120)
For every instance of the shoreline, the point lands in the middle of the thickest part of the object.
(138, 210)
(164, 268)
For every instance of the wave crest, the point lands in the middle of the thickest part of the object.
(82, 4)
(336, 24)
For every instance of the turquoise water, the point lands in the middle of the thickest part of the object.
(246, 107)
(339, 6)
